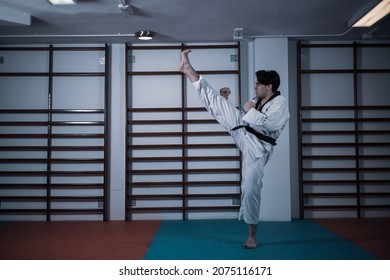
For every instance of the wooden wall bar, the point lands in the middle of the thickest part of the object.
(53, 155)
(177, 197)
(344, 142)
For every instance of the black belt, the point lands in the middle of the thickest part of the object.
(259, 135)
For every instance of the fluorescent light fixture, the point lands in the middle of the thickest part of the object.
(63, 2)
(374, 15)
(144, 35)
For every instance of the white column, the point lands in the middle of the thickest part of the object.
(117, 190)
(272, 54)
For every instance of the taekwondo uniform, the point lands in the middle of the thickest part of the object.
(268, 123)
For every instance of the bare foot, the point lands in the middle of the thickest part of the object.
(186, 68)
(250, 244)
(184, 60)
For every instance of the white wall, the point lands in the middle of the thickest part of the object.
(272, 54)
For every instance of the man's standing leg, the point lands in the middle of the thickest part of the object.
(252, 174)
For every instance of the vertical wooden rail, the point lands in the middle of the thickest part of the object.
(128, 190)
(184, 154)
(356, 127)
(106, 180)
(299, 115)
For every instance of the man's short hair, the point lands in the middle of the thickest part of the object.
(268, 77)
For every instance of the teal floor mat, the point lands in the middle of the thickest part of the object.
(223, 239)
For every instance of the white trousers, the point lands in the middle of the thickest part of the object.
(254, 155)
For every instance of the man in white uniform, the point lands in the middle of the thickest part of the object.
(254, 131)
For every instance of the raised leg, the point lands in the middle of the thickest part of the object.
(225, 113)
(186, 67)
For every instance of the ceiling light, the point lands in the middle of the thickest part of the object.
(63, 2)
(144, 35)
(372, 16)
